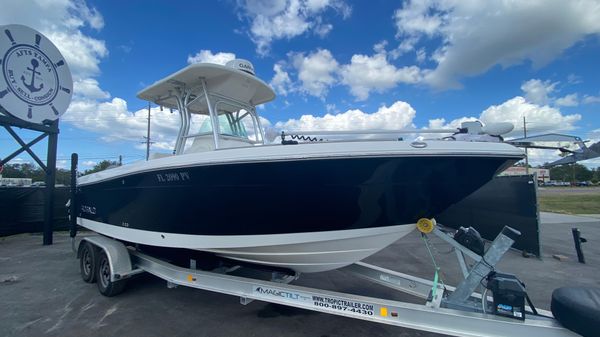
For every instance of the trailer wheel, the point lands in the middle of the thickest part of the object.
(105, 285)
(87, 262)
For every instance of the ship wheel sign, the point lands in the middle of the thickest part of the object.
(35, 81)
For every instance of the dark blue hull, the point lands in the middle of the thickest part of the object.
(287, 196)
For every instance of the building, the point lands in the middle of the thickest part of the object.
(543, 175)
(15, 181)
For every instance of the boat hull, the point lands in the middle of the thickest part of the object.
(307, 215)
(304, 253)
(286, 197)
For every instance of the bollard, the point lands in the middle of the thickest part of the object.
(578, 241)
(73, 209)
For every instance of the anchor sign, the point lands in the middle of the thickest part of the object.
(31, 85)
(35, 82)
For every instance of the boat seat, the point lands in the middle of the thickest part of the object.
(205, 143)
(577, 309)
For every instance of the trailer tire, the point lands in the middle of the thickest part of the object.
(87, 262)
(106, 286)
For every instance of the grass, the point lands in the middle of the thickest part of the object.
(570, 204)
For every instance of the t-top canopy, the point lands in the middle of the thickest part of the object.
(221, 80)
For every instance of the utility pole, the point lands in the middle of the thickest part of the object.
(148, 135)
(120, 160)
(526, 152)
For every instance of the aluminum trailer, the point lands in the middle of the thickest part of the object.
(456, 311)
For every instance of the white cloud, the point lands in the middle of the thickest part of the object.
(331, 108)
(397, 116)
(541, 156)
(477, 35)
(568, 100)
(406, 45)
(89, 163)
(421, 55)
(63, 164)
(82, 53)
(374, 73)
(589, 99)
(89, 88)
(281, 81)
(538, 91)
(379, 48)
(542, 93)
(418, 17)
(323, 29)
(540, 118)
(285, 19)
(574, 79)
(114, 122)
(316, 71)
(440, 123)
(207, 56)
(63, 22)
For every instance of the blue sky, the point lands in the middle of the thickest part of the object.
(334, 64)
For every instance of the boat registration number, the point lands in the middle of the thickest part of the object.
(169, 177)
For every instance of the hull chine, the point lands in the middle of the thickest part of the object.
(301, 252)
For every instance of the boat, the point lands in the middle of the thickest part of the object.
(306, 206)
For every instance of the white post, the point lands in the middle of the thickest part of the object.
(214, 118)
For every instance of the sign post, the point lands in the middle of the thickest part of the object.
(36, 88)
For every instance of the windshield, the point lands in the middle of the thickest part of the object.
(236, 121)
(231, 124)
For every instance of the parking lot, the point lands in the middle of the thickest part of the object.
(43, 294)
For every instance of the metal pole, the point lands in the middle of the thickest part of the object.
(578, 240)
(526, 152)
(148, 135)
(50, 183)
(73, 202)
(214, 115)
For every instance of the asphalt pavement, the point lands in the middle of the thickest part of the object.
(42, 293)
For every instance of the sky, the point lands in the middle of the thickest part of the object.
(334, 64)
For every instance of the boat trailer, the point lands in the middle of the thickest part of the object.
(447, 310)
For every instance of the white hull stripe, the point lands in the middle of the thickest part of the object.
(207, 242)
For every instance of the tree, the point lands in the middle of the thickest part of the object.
(595, 175)
(572, 172)
(101, 166)
(29, 170)
(63, 177)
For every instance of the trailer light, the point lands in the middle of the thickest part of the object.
(383, 311)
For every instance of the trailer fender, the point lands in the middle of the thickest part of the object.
(117, 253)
